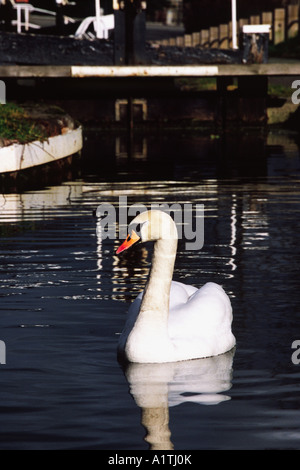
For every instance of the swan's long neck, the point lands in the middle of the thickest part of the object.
(155, 304)
(149, 338)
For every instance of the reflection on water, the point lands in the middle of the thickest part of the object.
(156, 387)
(38, 205)
(64, 296)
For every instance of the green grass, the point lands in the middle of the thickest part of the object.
(16, 125)
(196, 84)
(280, 91)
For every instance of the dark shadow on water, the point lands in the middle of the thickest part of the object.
(33, 179)
(176, 155)
(181, 155)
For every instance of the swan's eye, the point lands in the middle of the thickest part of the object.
(136, 228)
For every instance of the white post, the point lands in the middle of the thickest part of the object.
(234, 23)
(26, 18)
(98, 14)
(19, 19)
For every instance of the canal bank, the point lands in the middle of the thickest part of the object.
(35, 140)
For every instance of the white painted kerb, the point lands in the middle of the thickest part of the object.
(144, 71)
(18, 157)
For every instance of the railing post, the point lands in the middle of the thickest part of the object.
(187, 40)
(180, 41)
(223, 36)
(279, 25)
(196, 39)
(213, 36)
(292, 21)
(205, 38)
(267, 18)
(254, 19)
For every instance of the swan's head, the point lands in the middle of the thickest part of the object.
(150, 226)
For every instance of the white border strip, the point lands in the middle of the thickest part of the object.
(256, 28)
(144, 71)
(18, 157)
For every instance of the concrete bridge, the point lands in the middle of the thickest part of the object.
(136, 81)
(142, 72)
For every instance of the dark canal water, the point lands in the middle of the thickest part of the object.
(64, 296)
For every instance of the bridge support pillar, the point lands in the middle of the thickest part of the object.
(246, 105)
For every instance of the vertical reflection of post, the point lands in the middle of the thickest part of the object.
(232, 244)
(99, 257)
(130, 128)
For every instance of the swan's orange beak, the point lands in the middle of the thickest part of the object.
(130, 240)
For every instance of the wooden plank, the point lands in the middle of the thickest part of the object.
(188, 40)
(196, 39)
(241, 23)
(223, 36)
(205, 38)
(180, 41)
(279, 25)
(213, 36)
(267, 18)
(38, 71)
(292, 21)
(254, 19)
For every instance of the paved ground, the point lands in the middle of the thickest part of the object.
(154, 31)
(157, 31)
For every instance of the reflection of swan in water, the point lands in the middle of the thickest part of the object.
(156, 387)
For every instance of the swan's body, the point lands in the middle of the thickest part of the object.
(171, 321)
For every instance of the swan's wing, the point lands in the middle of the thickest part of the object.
(186, 287)
(207, 310)
(180, 293)
(202, 326)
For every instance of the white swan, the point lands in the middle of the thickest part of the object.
(171, 321)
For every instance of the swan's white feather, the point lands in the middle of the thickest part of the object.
(199, 323)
